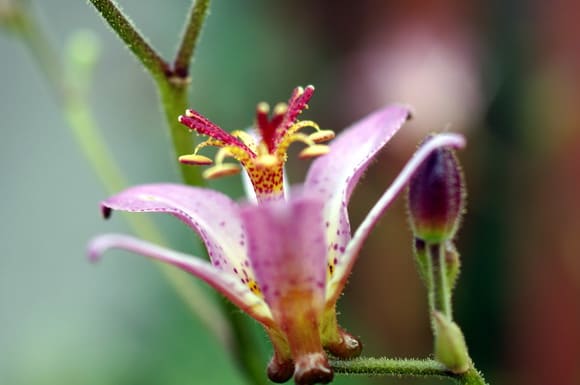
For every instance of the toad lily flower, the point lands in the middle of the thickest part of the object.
(283, 261)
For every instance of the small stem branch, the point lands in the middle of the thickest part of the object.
(407, 368)
(132, 38)
(190, 37)
(430, 283)
(440, 290)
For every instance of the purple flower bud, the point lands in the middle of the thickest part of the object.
(436, 197)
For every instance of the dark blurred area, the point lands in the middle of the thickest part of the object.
(506, 74)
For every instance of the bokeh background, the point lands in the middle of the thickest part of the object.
(504, 73)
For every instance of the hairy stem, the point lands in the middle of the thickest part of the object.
(132, 38)
(190, 37)
(407, 368)
(442, 292)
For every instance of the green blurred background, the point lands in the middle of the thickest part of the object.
(505, 73)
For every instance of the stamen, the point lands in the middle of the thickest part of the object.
(322, 136)
(314, 151)
(199, 123)
(246, 138)
(300, 125)
(288, 140)
(196, 160)
(221, 170)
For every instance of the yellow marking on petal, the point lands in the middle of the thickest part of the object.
(253, 285)
(314, 151)
(221, 170)
(330, 269)
(322, 136)
(194, 159)
(268, 182)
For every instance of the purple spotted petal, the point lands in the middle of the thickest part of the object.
(334, 176)
(348, 259)
(227, 284)
(287, 249)
(213, 215)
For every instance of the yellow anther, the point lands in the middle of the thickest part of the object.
(221, 170)
(189, 113)
(194, 159)
(266, 161)
(314, 151)
(322, 136)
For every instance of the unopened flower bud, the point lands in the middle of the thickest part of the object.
(450, 347)
(436, 197)
(452, 264)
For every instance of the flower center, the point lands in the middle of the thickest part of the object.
(262, 156)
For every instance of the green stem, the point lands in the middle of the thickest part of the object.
(87, 134)
(406, 367)
(174, 100)
(132, 38)
(190, 37)
(439, 292)
(425, 254)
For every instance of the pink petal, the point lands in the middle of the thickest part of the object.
(334, 176)
(348, 259)
(213, 215)
(227, 284)
(287, 249)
